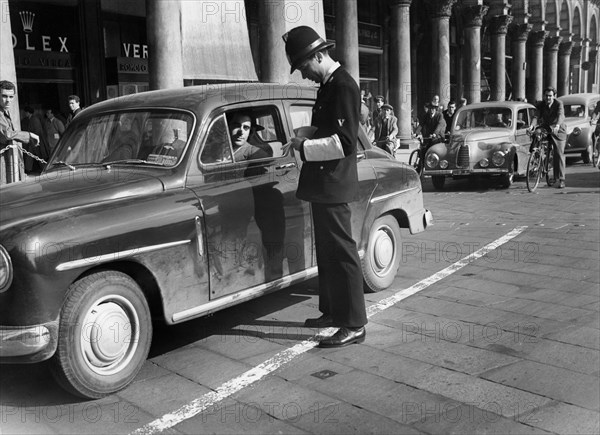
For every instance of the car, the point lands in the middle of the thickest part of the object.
(144, 213)
(486, 139)
(578, 112)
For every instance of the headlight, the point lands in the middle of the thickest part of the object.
(443, 164)
(432, 160)
(498, 158)
(484, 163)
(5, 269)
(576, 131)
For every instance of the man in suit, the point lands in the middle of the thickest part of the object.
(386, 129)
(432, 126)
(74, 106)
(8, 134)
(329, 181)
(550, 115)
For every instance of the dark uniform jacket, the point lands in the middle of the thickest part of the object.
(553, 115)
(329, 173)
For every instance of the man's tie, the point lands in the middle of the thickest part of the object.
(7, 114)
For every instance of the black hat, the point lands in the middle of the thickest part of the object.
(387, 106)
(380, 97)
(301, 43)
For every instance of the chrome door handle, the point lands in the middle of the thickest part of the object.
(285, 166)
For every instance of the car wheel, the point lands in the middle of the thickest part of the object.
(506, 180)
(382, 257)
(438, 181)
(586, 155)
(104, 336)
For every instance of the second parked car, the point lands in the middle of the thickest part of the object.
(578, 112)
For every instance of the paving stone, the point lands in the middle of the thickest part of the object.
(554, 382)
(306, 365)
(232, 417)
(468, 419)
(239, 343)
(564, 418)
(576, 335)
(161, 395)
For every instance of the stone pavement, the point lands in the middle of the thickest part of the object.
(510, 343)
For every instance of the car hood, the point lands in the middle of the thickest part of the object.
(61, 190)
(478, 135)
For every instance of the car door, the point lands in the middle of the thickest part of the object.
(255, 227)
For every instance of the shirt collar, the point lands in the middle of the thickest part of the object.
(335, 66)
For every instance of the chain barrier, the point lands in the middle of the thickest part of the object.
(24, 151)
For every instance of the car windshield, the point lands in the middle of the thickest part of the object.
(151, 137)
(488, 117)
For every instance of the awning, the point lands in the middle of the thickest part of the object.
(216, 44)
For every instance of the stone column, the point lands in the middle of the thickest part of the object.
(92, 49)
(564, 56)
(274, 67)
(585, 57)
(11, 162)
(535, 86)
(575, 68)
(163, 27)
(551, 60)
(498, 29)
(472, 20)
(400, 64)
(346, 36)
(440, 55)
(519, 34)
(593, 59)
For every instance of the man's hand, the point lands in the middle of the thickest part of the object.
(34, 139)
(295, 143)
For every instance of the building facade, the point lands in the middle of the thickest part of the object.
(406, 50)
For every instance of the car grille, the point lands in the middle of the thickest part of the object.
(462, 160)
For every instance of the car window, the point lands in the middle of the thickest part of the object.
(301, 116)
(575, 110)
(155, 136)
(487, 117)
(522, 119)
(244, 134)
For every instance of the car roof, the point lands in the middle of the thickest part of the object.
(205, 98)
(578, 98)
(488, 104)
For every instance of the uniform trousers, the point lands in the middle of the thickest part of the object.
(341, 293)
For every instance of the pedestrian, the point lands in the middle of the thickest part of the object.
(75, 108)
(329, 181)
(550, 114)
(449, 115)
(33, 124)
(386, 130)
(379, 101)
(8, 134)
(53, 129)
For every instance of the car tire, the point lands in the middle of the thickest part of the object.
(506, 180)
(105, 331)
(438, 181)
(382, 257)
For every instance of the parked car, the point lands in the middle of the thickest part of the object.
(144, 212)
(487, 139)
(578, 112)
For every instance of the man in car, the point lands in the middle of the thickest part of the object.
(329, 181)
(550, 115)
(242, 131)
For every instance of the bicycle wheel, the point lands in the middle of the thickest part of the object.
(596, 153)
(549, 167)
(415, 161)
(534, 170)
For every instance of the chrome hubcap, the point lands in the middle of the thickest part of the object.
(383, 250)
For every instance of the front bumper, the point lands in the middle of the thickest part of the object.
(459, 172)
(31, 343)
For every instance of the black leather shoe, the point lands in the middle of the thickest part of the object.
(561, 184)
(344, 337)
(325, 321)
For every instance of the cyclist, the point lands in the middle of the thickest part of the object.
(386, 129)
(550, 114)
(596, 136)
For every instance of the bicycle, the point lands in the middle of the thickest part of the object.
(541, 160)
(596, 146)
(417, 157)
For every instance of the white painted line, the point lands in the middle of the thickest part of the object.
(229, 388)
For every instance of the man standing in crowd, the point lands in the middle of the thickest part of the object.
(53, 129)
(74, 106)
(33, 124)
(550, 115)
(8, 134)
(329, 181)
(449, 115)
